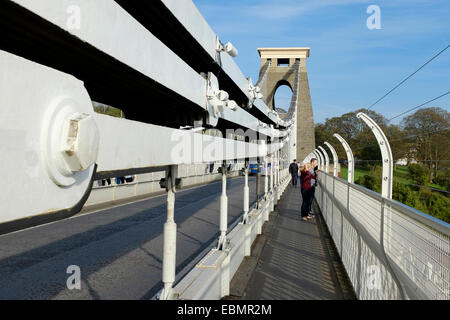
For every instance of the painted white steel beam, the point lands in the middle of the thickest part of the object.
(109, 28)
(187, 13)
(35, 117)
(35, 103)
(133, 145)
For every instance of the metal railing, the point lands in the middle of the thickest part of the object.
(390, 250)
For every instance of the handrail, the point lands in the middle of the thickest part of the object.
(421, 274)
(420, 216)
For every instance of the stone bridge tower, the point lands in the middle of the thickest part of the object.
(287, 66)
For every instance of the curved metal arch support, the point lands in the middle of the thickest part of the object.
(308, 158)
(386, 192)
(321, 159)
(327, 159)
(316, 155)
(386, 155)
(335, 158)
(350, 158)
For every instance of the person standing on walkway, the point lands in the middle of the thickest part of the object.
(302, 167)
(293, 170)
(314, 169)
(306, 177)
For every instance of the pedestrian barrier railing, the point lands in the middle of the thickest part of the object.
(389, 250)
(210, 278)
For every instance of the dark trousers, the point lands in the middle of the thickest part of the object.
(294, 179)
(305, 203)
(311, 198)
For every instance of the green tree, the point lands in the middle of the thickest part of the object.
(423, 136)
(372, 180)
(353, 130)
(435, 204)
(108, 110)
(418, 174)
(429, 130)
(443, 179)
(396, 136)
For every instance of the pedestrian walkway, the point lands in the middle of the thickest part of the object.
(296, 262)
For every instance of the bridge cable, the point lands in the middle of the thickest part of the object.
(404, 80)
(405, 138)
(416, 107)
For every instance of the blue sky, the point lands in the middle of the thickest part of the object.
(350, 66)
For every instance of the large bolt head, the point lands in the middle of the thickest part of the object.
(231, 50)
(232, 105)
(222, 95)
(80, 141)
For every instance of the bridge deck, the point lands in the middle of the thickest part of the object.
(296, 262)
(118, 249)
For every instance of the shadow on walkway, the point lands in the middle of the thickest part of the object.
(295, 263)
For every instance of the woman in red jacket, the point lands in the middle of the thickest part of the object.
(306, 190)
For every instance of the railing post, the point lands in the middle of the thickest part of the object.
(279, 166)
(170, 237)
(258, 183)
(327, 160)
(316, 155)
(278, 173)
(358, 265)
(321, 159)
(350, 159)
(272, 207)
(270, 172)
(335, 159)
(327, 170)
(401, 289)
(266, 178)
(387, 159)
(332, 209)
(246, 194)
(275, 179)
(321, 163)
(223, 209)
(386, 189)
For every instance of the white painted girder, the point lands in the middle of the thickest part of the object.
(28, 93)
(109, 28)
(132, 144)
(187, 13)
(32, 94)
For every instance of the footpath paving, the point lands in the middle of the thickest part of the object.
(292, 259)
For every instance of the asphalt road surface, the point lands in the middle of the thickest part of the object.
(118, 250)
